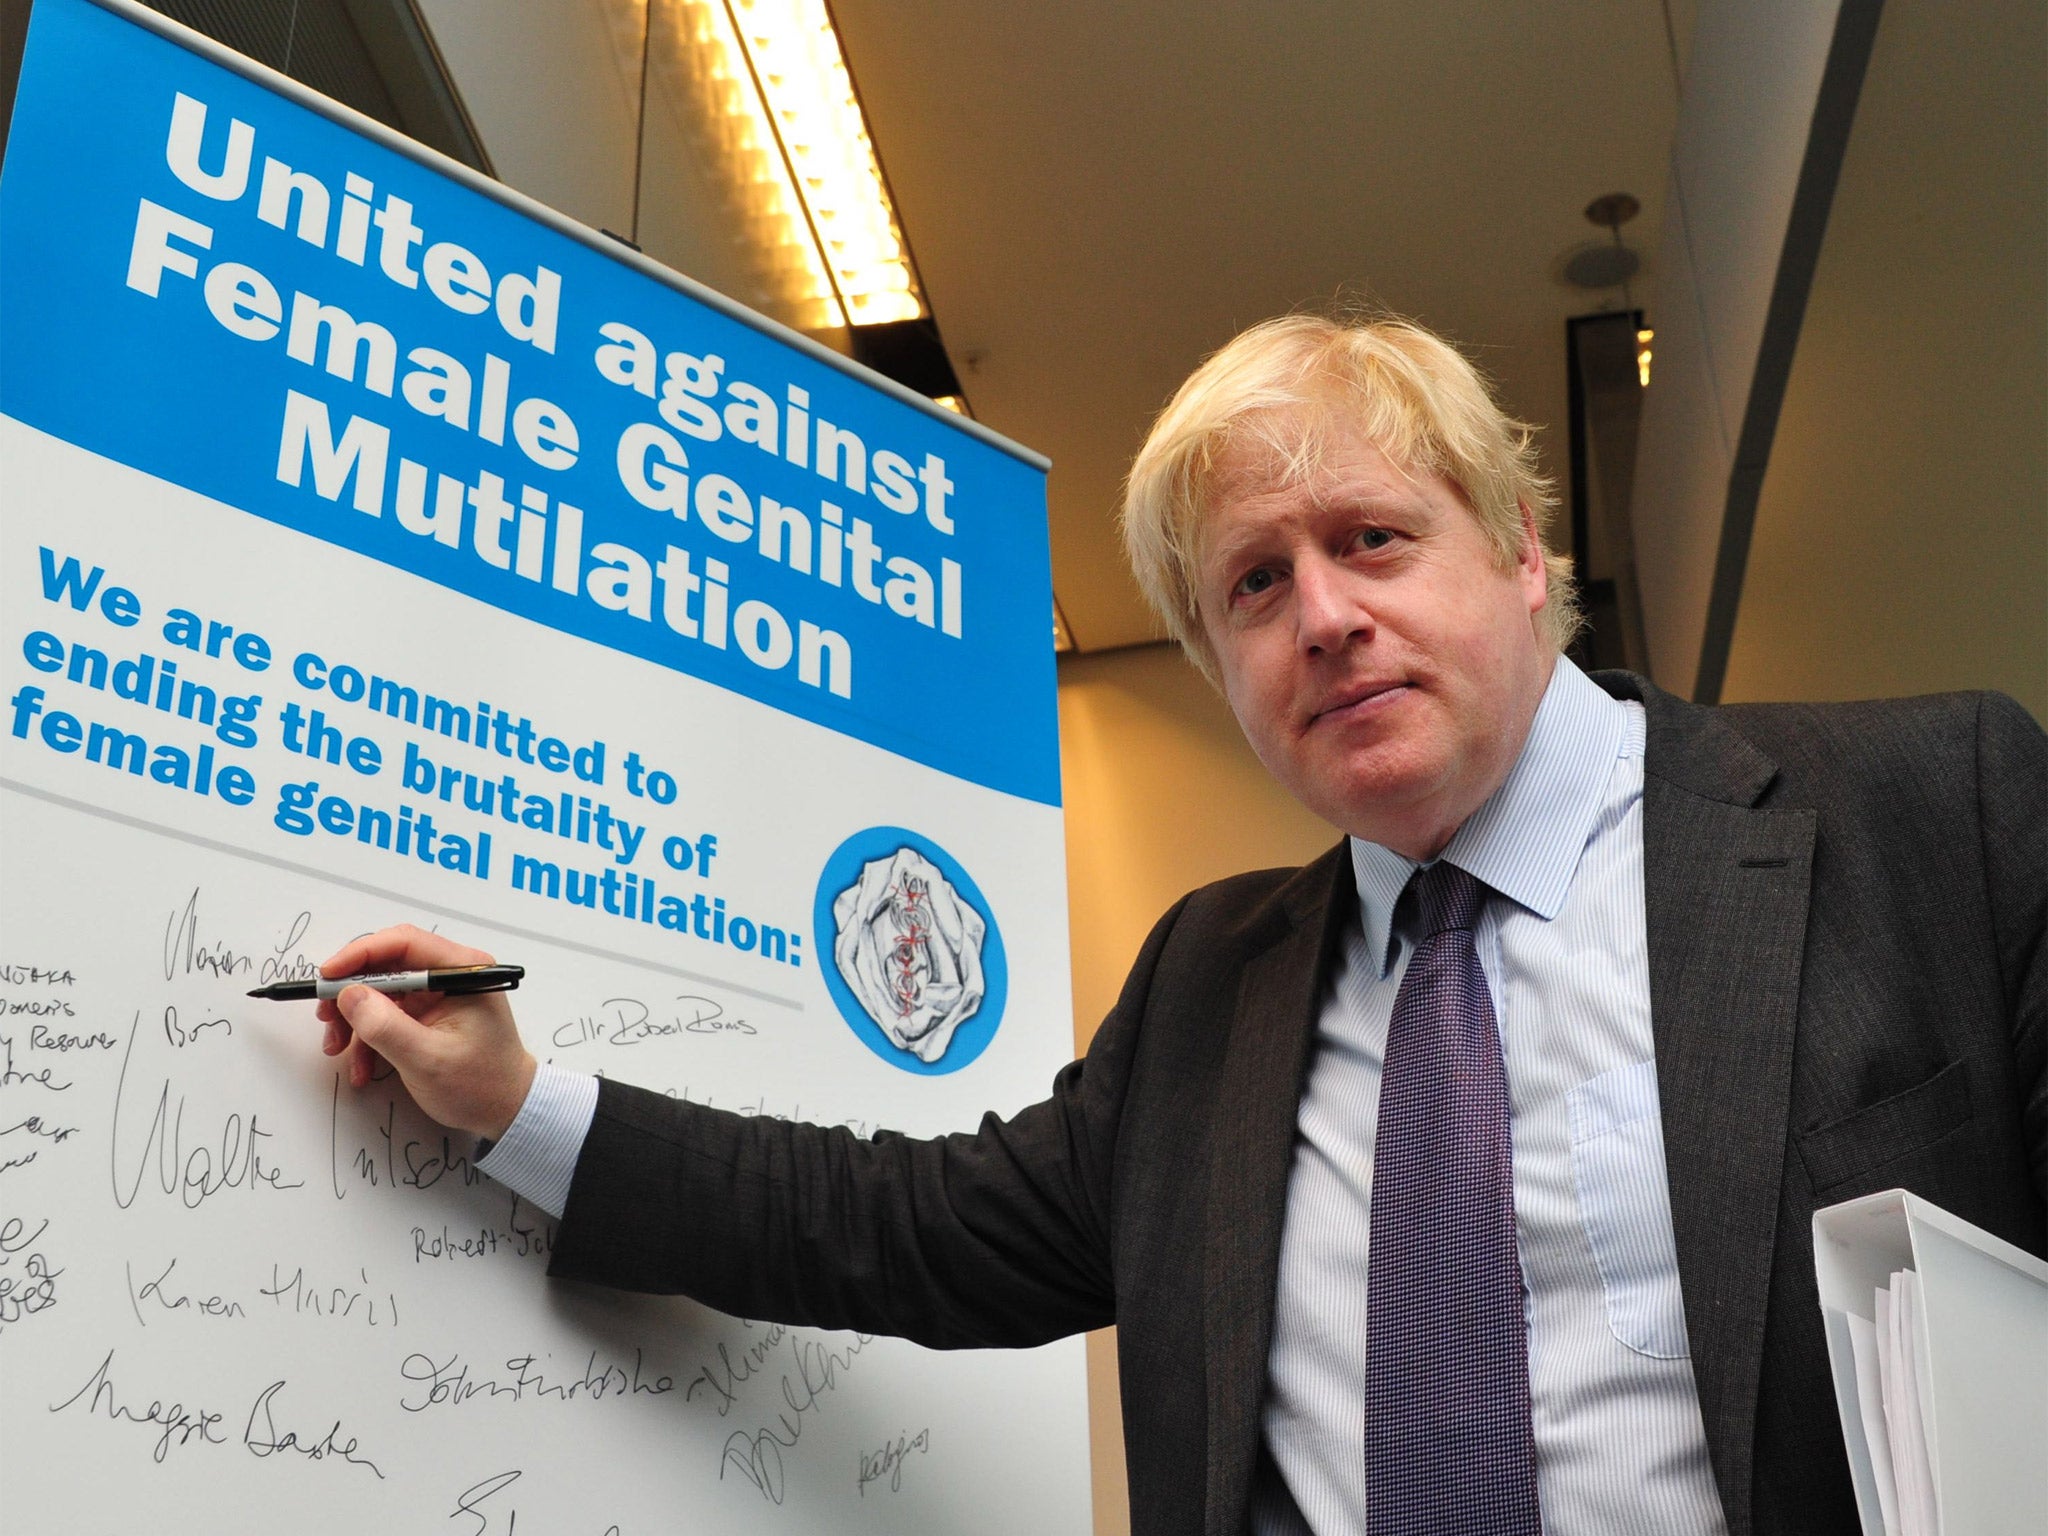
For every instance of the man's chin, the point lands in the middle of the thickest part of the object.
(1385, 799)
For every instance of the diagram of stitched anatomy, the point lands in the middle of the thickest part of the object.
(908, 946)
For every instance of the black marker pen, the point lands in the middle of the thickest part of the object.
(457, 983)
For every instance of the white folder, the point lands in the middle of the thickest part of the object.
(1981, 1329)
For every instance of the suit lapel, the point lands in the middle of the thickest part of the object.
(1726, 886)
(1251, 1156)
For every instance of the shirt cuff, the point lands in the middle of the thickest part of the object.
(536, 1157)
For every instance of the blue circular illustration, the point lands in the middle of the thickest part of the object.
(910, 951)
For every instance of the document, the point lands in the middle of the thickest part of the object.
(1889, 1379)
(1938, 1338)
(1863, 1339)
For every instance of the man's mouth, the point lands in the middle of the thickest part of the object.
(1356, 700)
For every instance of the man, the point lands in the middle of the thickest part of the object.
(1461, 1180)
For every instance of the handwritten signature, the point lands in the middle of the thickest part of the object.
(169, 1298)
(451, 1383)
(37, 1008)
(35, 1289)
(473, 1499)
(186, 954)
(888, 1461)
(628, 1021)
(194, 1175)
(725, 1375)
(407, 1162)
(181, 1033)
(41, 1077)
(269, 1442)
(13, 975)
(43, 1038)
(177, 1425)
(33, 1126)
(521, 1240)
(757, 1455)
(306, 1298)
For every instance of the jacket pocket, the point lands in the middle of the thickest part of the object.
(1890, 1129)
(1625, 1203)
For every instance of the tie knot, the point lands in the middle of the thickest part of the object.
(1447, 898)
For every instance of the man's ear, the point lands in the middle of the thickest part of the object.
(1531, 570)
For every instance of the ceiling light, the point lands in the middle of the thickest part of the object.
(1600, 264)
(1610, 264)
(1643, 338)
(791, 56)
(765, 95)
(726, 124)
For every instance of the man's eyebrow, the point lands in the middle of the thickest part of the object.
(1338, 496)
(1223, 549)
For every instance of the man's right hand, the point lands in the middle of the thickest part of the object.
(460, 1058)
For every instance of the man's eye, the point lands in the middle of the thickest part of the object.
(1373, 538)
(1252, 583)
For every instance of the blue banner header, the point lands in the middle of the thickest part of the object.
(221, 287)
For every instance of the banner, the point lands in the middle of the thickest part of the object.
(377, 545)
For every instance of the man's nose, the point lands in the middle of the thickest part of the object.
(1330, 608)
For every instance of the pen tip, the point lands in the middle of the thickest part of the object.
(258, 991)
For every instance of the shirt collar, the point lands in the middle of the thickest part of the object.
(1526, 839)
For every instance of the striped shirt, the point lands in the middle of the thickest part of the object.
(1620, 1447)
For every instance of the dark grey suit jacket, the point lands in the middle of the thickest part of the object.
(1846, 911)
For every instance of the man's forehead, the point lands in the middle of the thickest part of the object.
(1280, 445)
(1298, 451)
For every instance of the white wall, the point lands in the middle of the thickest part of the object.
(553, 87)
(1901, 539)
(1745, 117)
(1162, 795)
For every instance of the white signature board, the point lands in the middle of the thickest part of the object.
(376, 546)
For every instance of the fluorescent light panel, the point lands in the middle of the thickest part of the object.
(802, 148)
(725, 119)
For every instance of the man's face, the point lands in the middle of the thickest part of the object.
(1381, 661)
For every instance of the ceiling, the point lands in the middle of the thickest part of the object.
(1099, 195)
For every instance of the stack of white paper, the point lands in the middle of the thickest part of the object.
(1891, 1376)
(1938, 1333)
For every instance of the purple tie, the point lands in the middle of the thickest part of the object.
(1448, 1445)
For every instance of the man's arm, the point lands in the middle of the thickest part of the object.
(536, 1157)
(998, 1238)
(2012, 801)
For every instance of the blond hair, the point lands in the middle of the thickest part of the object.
(1282, 385)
